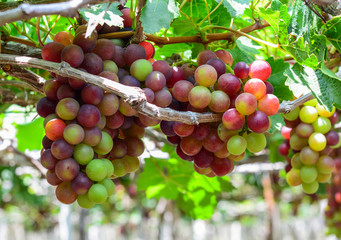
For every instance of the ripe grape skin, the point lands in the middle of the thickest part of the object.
(269, 104)
(162, 98)
(205, 75)
(73, 55)
(47, 160)
(65, 91)
(218, 65)
(204, 56)
(256, 87)
(52, 51)
(133, 53)
(92, 136)
(73, 134)
(293, 177)
(163, 67)
(304, 130)
(183, 129)
(220, 101)
(109, 104)
(54, 129)
(88, 115)
(225, 56)
(297, 143)
(204, 158)
(201, 131)
(92, 63)
(60, 149)
(52, 178)
(260, 69)
(241, 70)
(65, 194)
(45, 107)
(246, 103)
(117, 57)
(212, 142)
(199, 97)
(119, 149)
(181, 90)
(109, 75)
(67, 169)
(308, 156)
(182, 155)
(225, 134)
(92, 94)
(127, 21)
(229, 83)
(104, 48)
(325, 164)
(269, 88)
(46, 142)
(148, 121)
(222, 166)
(50, 89)
(233, 120)
(258, 122)
(177, 75)
(155, 81)
(135, 146)
(190, 145)
(332, 138)
(129, 80)
(87, 44)
(81, 184)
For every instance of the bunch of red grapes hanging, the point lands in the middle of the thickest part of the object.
(94, 136)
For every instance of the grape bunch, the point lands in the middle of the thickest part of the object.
(333, 210)
(308, 132)
(244, 99)
(92, 136)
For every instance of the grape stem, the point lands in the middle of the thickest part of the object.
(134, 96)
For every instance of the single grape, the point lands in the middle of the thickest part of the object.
(236, 145)
(65, 194)
(256, 142)
(260, 69)
(97, 193)
(308, 114)
(96, 170)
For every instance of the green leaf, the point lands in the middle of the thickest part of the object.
(248, 45)
(183, 26)
(168, 50)
(277, 122)
(30, 135)
(332, 30)
(158, 14)
(277, 79)
(323, 83)
(240, 55)
(235, 7)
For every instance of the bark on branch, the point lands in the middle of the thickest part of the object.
(27, 11)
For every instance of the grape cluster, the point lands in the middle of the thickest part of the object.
(245, 100)
(333, 210)
(308, 132)
(92, 136)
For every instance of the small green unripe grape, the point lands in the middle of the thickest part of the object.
(109, 185)
(140, 69)
(97, 193)
(310, 188)
(311, 102)
(317, 141)
(256, 142)
(96, 170)
(322, 125)
(293, 177)
(308, 174)
(236, 145)
(110, 167)
(296, 161)
(83, 153)
(84, 201)
(109, 65)
(308, 114)
(119, 168)
(105, 145)
(293, 115)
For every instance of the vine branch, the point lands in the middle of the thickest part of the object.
(134, 96)
(27, 11)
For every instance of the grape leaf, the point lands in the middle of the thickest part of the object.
(277, 79)
(332, 30)
(30, 135)
(277, 122)
(322, 82)
(240, 55)
(235, 7)
(158, 14)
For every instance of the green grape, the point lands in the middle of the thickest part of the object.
(308, 114)
(323, 178)
(293, 177)
(293, 115)
(308, 174)
(109, 185)
(97, 193)
(119, 168)
(256, 142)
(317, 141)
(85, 202)
(310, 188)
(325, 164)
(83, 153)
(105, 145)
(109, 166)
(236, 145)
(308, 156)
(296, 161)
(96, 170)
(322, 125)
(311, 102)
